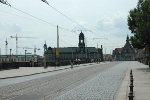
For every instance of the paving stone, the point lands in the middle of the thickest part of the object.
(102, 87)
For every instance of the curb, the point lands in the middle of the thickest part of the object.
(41, 72)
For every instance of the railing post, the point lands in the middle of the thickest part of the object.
(131, 95)
(131, 86)
(131, 79)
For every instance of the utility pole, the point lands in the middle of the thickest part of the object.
(58, 40)
(57, 49)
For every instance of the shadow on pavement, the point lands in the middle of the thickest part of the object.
(144, 69)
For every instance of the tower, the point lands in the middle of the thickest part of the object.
(81, 42)
(127, 40)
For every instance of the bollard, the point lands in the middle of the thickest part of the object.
(131, 76)
(131, 79)
(131, 95)
(130, 71)
(131, 86)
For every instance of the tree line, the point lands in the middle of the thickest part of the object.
(139, 24)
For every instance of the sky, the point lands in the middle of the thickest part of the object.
(103, 22)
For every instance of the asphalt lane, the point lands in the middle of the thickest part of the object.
(72, 84)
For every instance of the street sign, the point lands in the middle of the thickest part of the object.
(57, 52)
(147, 50)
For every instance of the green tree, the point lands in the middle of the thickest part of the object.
(139, 24)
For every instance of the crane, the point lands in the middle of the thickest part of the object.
(100, 38)
(31, 48)
(17, 41)
(35, 49)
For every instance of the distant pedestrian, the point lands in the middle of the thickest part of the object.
(30, 63)
(33, 63)
(72, 63)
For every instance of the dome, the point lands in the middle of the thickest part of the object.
(49, 48)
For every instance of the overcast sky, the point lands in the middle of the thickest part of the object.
(104, 19)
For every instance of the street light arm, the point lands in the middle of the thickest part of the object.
(20, 37)
(5, 2)
(45, 1)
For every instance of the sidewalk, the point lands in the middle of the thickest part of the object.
(141, 76)
(27, 71)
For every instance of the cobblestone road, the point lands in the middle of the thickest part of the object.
(102, 87)
(98, 82)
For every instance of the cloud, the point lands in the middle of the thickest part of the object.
(10, 27)
(113, 26)
(104, 23)
(82, 26)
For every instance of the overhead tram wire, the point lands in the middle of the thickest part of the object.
(108, 26)
(64, 15)
(45, 22)
(112, 23)
(66, 43)
(42, 20)
(26, 18)
(53, 24)
(33, 16)
(36, 18)
(37, 21)
(72, 20)
(67, 17)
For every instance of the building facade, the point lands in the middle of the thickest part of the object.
(76, 53)
(19, 59)
(126, 53)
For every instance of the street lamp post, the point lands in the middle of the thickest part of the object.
(10, 54)
(72, 53)
(45, 55)
(0, 51)
(25, 55)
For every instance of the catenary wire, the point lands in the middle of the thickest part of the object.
(55, 25)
